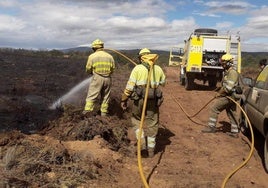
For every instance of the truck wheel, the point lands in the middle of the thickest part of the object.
(265, 154)
(212, 83)
(243, 124)
(189, 82)
(182, 81)
(182, 76)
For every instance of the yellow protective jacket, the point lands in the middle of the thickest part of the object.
(139, 75)
(230, 81)
(101, 63)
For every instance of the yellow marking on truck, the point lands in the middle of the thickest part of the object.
(195, 55)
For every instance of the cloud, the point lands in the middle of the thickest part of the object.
(254, 33)
(259, 20)
(224, 25)
(206, 14)
(9, 23)
(7, 3)
(227, 7)
(49, 24)
(121, 24)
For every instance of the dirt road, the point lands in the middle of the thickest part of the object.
(188, 158)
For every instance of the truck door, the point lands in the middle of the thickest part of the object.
(259, 100)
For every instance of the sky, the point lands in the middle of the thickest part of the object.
(129, 24)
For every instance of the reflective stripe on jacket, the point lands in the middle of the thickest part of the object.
(100, 62)
(139, 75)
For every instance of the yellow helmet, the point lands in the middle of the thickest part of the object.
(227, 57)
(144, 51)
(97, 44)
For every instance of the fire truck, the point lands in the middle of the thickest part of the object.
(201, 57)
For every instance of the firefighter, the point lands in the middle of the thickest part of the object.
(262, 63)
(101, 65)
(228, 88)
(135, 90)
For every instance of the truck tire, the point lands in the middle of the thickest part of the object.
(242, 120)
(206, 31)
(212, 83)
(182, 79)
(265, 154)
(189, 82)
(243, 124)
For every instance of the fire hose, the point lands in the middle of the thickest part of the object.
(140, 129)
(142, 119)
(229, 175)
(251, 147)
(151, 63)
(115, 51)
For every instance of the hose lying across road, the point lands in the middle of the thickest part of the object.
(251, 146)
(251, 131)
(189, 116)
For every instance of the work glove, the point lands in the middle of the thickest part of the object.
(124, 100)
(217, 89)
(220, 93)
(89, 71)
(123, 105)
(217, 95)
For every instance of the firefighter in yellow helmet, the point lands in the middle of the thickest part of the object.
(144, 51)
(135, 90)
(228, 88)
(101, 65)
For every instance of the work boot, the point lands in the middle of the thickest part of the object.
(143, 144)
(104, 114)
(233, 134)
(132, 151)
(144, 153)
(209, 129)
(87, 113)
(150, 152)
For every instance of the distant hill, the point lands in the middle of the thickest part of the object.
(87, 49)
(163, 52)
(249, 59)
(76, 49)
(132, 54)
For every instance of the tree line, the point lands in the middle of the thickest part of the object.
(249, 59)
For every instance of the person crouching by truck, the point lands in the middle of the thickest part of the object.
(135, 90)
(228, 88)
(101, 65)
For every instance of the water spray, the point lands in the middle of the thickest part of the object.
(72, 96)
